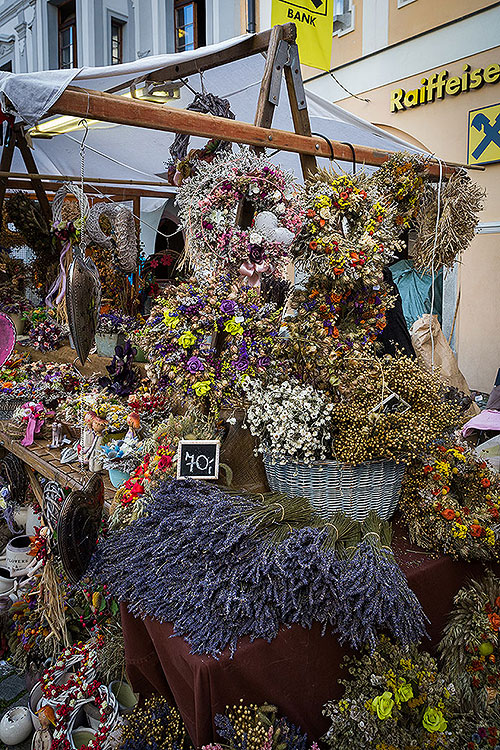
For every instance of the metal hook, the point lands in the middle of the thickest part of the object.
(345, 143)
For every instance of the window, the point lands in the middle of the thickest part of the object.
(67, 35)
(402, 3)
(116, 42)
(189, 25)
(7, 66)
(343, 17)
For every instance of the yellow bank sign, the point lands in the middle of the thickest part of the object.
(483, 143)
(314, 21)
(439, 85)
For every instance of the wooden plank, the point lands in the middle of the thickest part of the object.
(96, 180)
(301, 122)
(110, 108)
(5, 162)
(32, 168)
(251, 45)
(265, 109)
(122, 194)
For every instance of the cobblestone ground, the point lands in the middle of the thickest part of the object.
(12, 693)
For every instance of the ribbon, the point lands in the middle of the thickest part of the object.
(253, 271)
(32, 428)
(61, 279)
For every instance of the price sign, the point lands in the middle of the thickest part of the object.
(198, 459)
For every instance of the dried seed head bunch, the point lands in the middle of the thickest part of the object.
(470, 648)
(255, 727)
(201, 338)
(395, 699)
(364, 429)
(217, 579)
(154, 725)
(461, 203)
(348, 233)
(400, 182)
(208, 205)
(451, 502)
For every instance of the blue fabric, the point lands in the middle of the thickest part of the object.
(415, 290)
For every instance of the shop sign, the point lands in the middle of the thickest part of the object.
(439, 85)
(314, 21)
(198, 459)
(483, 142)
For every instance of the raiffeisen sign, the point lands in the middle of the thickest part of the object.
(439, 85)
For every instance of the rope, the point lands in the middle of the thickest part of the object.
(207, 104)
(434, 248)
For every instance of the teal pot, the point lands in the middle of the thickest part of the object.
(81, 737)
(106, 343)
(117, 477)
(125, 696)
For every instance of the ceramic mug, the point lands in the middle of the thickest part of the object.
(82, 736)
(17, 555)
(6, 582)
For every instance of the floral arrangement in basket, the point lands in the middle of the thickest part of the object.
(116, 322)
(154, 724)
(395, 698)
(451, 502)
(470, 646)
(208, 205)
(123, 455)
(201, 338)
(348, 233)
(15, 304)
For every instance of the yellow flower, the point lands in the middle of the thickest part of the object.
(404, 692)
(434, 720)
(233, 327)
(171, 321)
(202, 387)
(187, 339)
(459, 530)
(383, 705)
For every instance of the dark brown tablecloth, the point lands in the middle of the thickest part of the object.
(298, 671)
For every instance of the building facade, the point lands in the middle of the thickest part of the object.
(47, 34)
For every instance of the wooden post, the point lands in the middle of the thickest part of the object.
(32, 168)
(5, 163)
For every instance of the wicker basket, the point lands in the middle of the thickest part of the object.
(9, 404)
(334, 486)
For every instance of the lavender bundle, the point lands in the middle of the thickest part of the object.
(225, 566)
(376, 594)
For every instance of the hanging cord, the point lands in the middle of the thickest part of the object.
(434, 247)
(82, 173)
(361, 99)
(345, 143)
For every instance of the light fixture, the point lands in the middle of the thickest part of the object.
(159, 92)
(57, 125)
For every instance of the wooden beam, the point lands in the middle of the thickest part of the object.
(300, 117)
(265, 109)
(72, 178)
(251, 45)
(32, 168)
(123, 193)
(5, 162)
(106, 107)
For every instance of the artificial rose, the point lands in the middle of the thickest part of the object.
(434, 720)
(233, 327)
(494, 621)
(241, 364)
(404, 692)
(256, 254)
(194, 365)
(263, 361)
(383, 705)
(476, 530)
(227, 306)
(448, 513)
(202, 387)
(171, 321)
(187, 339)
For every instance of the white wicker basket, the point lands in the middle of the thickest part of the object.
(333, 486)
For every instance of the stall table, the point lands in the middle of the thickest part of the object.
(298, 671)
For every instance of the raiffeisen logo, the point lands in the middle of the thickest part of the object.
(439, 85)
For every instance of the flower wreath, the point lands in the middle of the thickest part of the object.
(208, 204)
(451, 501)
(83, 654)
(470, 648)
(347, 233)
(201, 339)
(67, 713)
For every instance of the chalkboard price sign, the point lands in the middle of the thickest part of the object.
(198, 459)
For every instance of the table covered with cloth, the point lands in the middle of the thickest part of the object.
(298, 671)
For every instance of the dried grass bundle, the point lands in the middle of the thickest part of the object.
(461, 202)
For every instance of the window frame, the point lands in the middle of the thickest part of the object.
(403, 3)
(64, 26)
(178, 4)
(352, 24)
(118, 23)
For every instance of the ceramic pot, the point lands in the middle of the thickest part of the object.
(20, 516)
(106, 342)
(18, 322)
(34, 703)
(17, 556)
(117, 477)
(6, 582)
(82, 736)
(32, 520)
(16, 726)
(92, 715)
(124, 695)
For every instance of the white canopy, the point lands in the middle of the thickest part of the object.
(130, 153)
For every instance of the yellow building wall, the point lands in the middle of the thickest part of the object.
(423, 15)
(441, 127)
